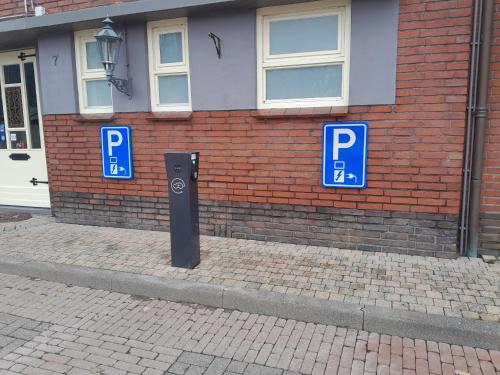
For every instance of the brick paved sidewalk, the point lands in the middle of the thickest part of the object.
(462, 287)
(50, 328)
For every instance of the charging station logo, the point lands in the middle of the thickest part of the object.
(177, 185)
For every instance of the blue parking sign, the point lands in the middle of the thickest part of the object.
(116, 148)
(345, 148)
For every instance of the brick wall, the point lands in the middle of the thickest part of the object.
(415, 148)
(269, 161)
(10, 7)
(490, 188)
(367, 230)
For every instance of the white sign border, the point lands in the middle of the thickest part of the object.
(365, 159)
(130, 175)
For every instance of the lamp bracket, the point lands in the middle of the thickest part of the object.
(217, 43)
(121, 85)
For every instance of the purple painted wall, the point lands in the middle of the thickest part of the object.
(56, 74)
(374, 42)
(134, 50)
(230, 82)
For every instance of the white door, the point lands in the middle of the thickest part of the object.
(23, 168)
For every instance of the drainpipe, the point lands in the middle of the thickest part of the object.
(479, 126)
(471, 102)
(25, 14)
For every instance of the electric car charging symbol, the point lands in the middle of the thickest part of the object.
(178, 185)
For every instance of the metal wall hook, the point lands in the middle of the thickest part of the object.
(217, 43)
(22, 56)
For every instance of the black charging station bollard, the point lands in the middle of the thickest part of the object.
(182, 172)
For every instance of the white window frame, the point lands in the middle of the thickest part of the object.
(84, 74)
(156, 69)
(341, 56)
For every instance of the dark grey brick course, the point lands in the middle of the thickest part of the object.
(399, 232)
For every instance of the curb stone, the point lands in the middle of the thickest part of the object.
(402, 323)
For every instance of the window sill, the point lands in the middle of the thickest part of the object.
(171, 116)
(301, 112)
(101, 117)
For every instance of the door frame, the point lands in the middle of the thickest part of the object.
(13, 57)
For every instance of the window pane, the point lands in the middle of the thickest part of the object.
(173, 89)
(98, 93)
(93, 56)
(29, 75)
(12, 74)
(302, 83)
(18, 140)
(171, 48)
(303, 35)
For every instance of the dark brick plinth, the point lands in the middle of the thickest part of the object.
(400, 232)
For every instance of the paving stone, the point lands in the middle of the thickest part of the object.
(400, 281)
(97, 332)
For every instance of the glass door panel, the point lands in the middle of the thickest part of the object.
(14, 104)
(18, 140)
(12, 74)
(20, 126)
(3, 130)
(34, 122)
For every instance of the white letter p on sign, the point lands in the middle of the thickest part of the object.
(338, 145)
(115, 143)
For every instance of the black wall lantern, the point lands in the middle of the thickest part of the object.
(109, 41)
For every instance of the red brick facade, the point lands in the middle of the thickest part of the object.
(10, 7)
(415, 148)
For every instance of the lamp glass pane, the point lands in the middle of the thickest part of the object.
(173, 89)
(304, 83)
(114, 50)
(304, 35)
(98, 93)
(171, 48)
(93, 55)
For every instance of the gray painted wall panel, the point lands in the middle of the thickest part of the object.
(229, 82)
(135, 49)
(58, 92)
(374, 35)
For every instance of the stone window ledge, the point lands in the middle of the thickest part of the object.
(170, 116)
(96, 118)
(301, 112)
